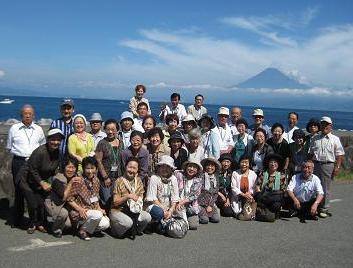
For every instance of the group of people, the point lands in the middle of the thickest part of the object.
(136, 176)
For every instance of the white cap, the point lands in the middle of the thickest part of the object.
(258, 112)
(54, 131)
(326, 119)
(189, 117)
(223, 110)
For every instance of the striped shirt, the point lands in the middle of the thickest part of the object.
(67, 130)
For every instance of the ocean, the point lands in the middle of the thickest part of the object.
(48, 108)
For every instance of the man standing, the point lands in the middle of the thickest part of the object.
(292, 125)
(96, 128)
(65, 124)
(306, 192)
(175, 108)
(197, 110)
(235, 115)
(23, 139)
(142, 112)
(224, 133)
(259, 119)
(327, 153)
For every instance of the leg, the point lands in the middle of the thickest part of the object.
(157, 213)
(193, 222)
(92, 221)
(104, 224)
(203, 217)
(17, 209)
(120, 223)
(143, 219)
(215, 218)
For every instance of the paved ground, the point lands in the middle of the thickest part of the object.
(327, 243)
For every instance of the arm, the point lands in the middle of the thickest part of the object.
(71, 146)
(101, 169)
(338, 163)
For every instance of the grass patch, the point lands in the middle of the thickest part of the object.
(345, 175)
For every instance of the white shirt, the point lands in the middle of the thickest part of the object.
(225, 137)
(22, 140)
(233, 129)
(179, 111)
(197, 113)
(325, 148)
(247, 139)
(287, 135)
(100, 135)
(236, 178)
(198, 155)
(126, 138)
(305, 190)
(138, 125)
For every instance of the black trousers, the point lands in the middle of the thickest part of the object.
(35, 201)
(17, 209)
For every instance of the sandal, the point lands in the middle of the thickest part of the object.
(83, 235)
(41, 229)
(31, 230)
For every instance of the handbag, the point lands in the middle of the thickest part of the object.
(176, 227)
(134, 206)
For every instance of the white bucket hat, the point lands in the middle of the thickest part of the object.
(96, 117)
(54, 131)
(82, 116)
(258, 112)
(167, 160)
(224, 111)
(189, 117)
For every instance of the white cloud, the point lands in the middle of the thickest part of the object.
(2, 73)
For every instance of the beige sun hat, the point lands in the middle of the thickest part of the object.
(213, 160)
(167, 160)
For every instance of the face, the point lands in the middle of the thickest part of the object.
(205, 124)
(54, 142)
(27, 115)
(272, 165)
(210, 168)
(244, 165)
(126, 124)
(260, 138)
(69, 170)
(172, 125)
(136, 142)
(235, 114)
(79, 125)
(96, 125)
(325, 127)
(90, 171)
(292, 120)
(111, 130)
(188, 125)
(277, 133)
(175, 144)
(191, 170)
(222, 119)
(148, 124)
(194, 143)
(175, 102)
(142, 111)
(313, 129)
(299, 140)
(131, 169)
(139, 93)
(164, 171)
(198, 101)
(258, 119)
(67, 111)
(241, 128)
(226, 164)
(308, 169)
(155, 140)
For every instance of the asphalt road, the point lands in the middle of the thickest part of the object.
(231, 243)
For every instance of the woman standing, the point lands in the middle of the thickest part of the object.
(279, 144)
(260, 150)
(209, 137)
(108, 155)
(80, 143)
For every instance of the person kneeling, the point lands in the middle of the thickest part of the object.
(306, 192)
(126, 215)
(83, 198)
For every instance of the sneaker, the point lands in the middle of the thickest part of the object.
(57, 233)
(323, 215)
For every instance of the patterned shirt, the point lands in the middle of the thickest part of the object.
(86, 193)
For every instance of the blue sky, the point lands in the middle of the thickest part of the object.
(201, 45)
